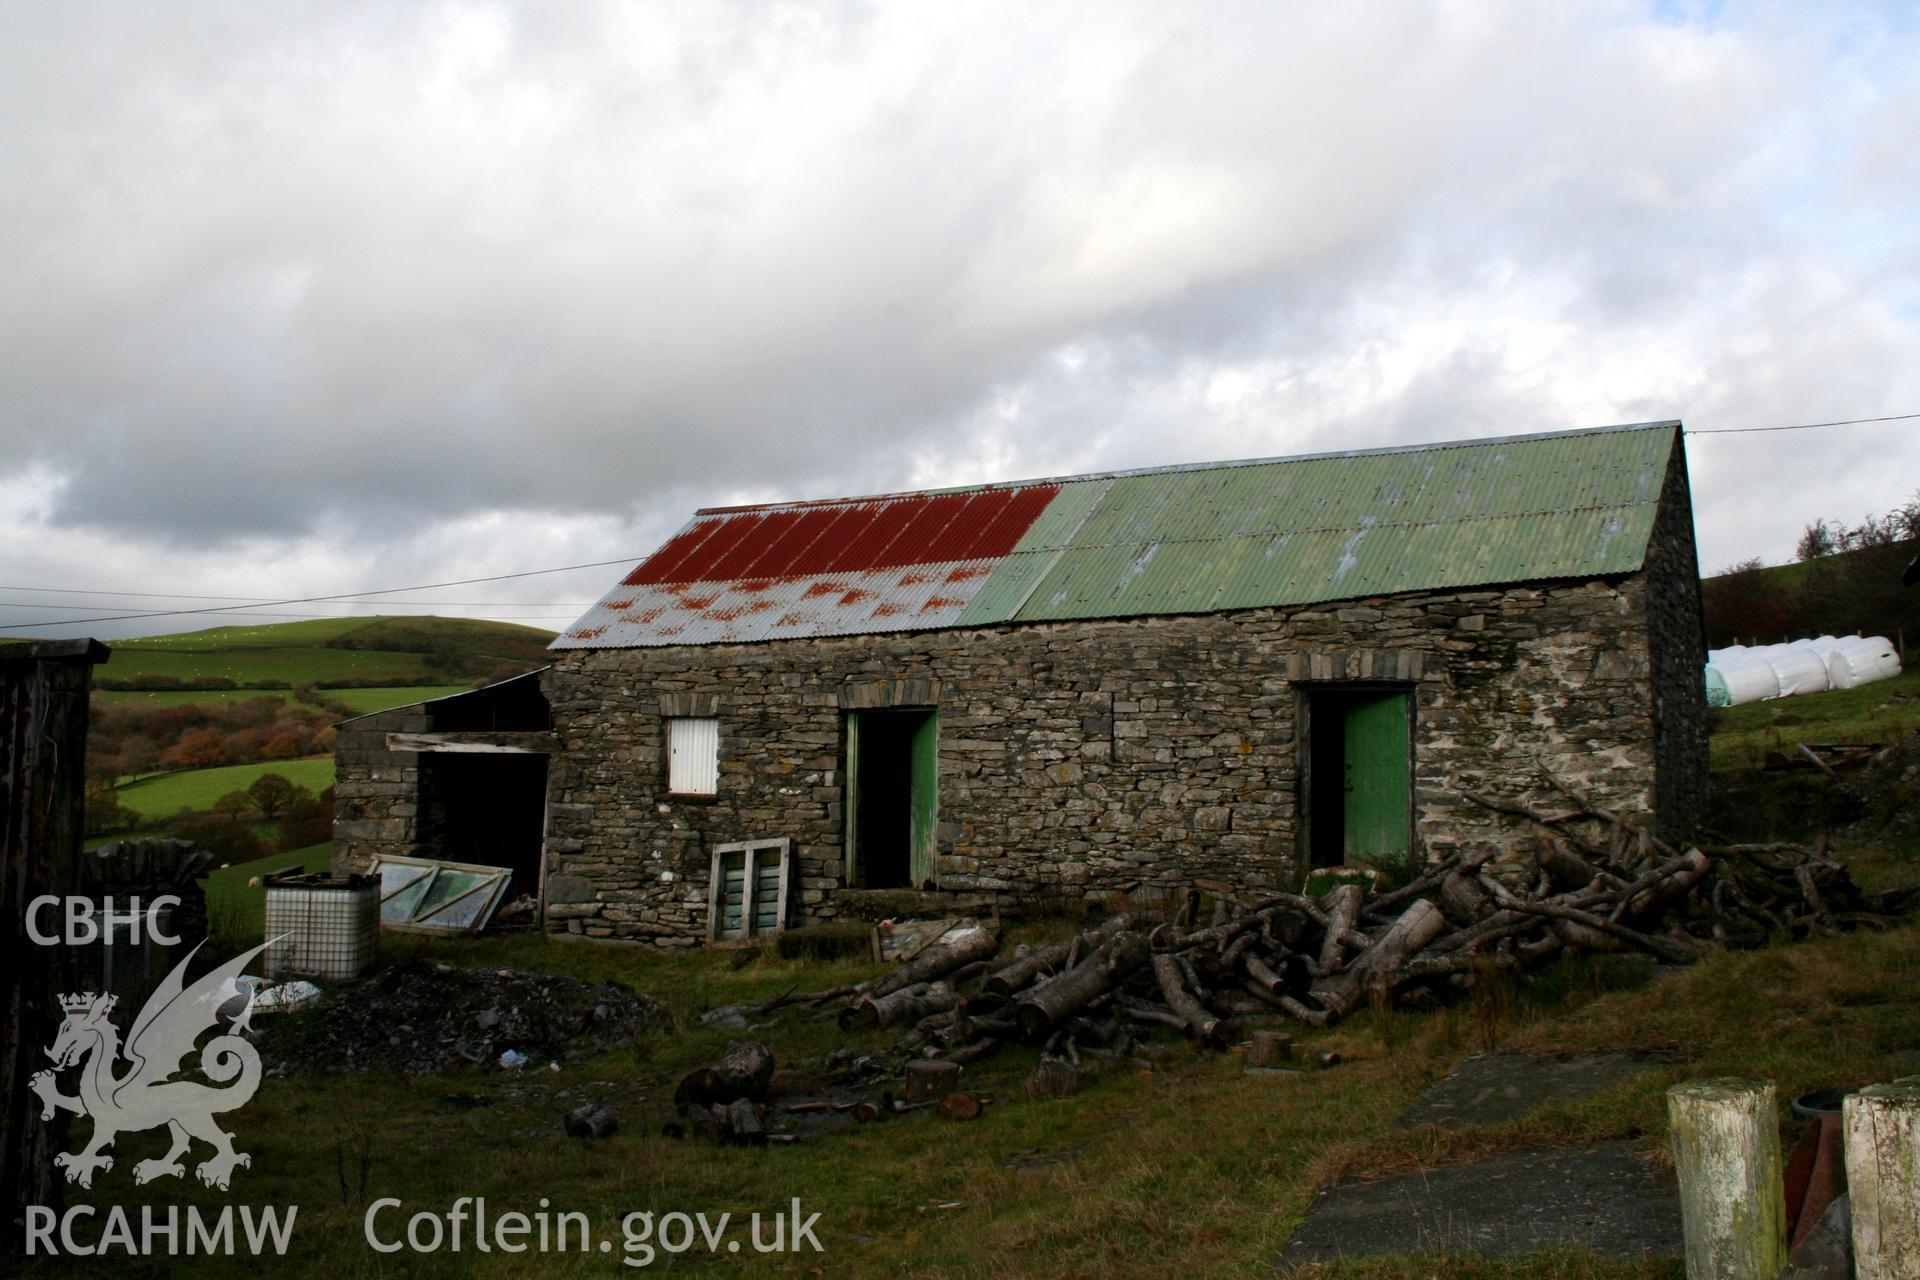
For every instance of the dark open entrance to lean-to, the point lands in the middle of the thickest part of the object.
(483, 801)
(486, 808)
(893, 793)
(1358, 776)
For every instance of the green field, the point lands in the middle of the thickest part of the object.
(402, 649)
(274, 635)
(400, 632)
(235, 911)
(168, 794)
(360, 700)
(364, 701)
(1882, 712)
(294, 664)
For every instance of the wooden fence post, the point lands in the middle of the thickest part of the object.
(43, 743)
(1882, 1124)
(1726, 1151)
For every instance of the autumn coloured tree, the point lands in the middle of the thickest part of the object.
(273, 792)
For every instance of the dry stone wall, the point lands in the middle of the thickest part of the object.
(1678, 633)
(376, 809)
(1094, 758)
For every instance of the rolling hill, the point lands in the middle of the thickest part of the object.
(364, 663)
(179, 720)
(1841, 594)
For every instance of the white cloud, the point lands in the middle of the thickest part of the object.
(297, 290)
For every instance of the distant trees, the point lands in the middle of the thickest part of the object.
(197, 749)
(308, 820)
(1902, 524)
(105, 813)
(230, 841)
(1744, 600)
(1816, 540)
(1848, 580)
(273, 792)
(1857, 586)
(233, 804)
(125, 741)
(281, 746)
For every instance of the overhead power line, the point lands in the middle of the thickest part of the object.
(245, 602)
(186, 595)
(357, 596)
(1801, 426)
(295, 615)
(345, 595)
(97, 591)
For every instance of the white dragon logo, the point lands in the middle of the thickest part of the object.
(173, 1018)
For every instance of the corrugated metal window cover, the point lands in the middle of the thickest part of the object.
(693, 755)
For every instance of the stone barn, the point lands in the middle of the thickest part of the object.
(1221, 676)
(460, 779)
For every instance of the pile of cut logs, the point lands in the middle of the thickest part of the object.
(1599, 882)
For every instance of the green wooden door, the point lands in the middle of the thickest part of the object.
(926, 794)
(850, 810)
(915, 734)
(1375, 810)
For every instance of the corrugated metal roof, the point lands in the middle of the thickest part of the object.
(848, 536)
(902, 598)
(1191, 539)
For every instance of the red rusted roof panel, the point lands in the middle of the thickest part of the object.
(850, 537)
(659, 566)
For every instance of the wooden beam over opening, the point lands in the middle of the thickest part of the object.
(484, 741)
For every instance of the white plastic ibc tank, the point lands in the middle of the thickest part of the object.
(1798, 670)
(1744, 679)
(1861, 660)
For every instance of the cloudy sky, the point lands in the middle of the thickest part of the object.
(306, 299)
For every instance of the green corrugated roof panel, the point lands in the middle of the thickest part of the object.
(1336, 527)
(1001, 596)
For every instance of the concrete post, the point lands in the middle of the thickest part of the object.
(1726, 1151)
(1882, 1124)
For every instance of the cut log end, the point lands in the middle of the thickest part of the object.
(960, 1106)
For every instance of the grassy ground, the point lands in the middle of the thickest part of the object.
(1881, 712)
(236, 911)
(168, 794)
(1750, 802)
(360, 700)
(1191, 1167)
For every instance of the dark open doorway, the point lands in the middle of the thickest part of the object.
(893, 797)
(486, 808)
(1357, 774)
